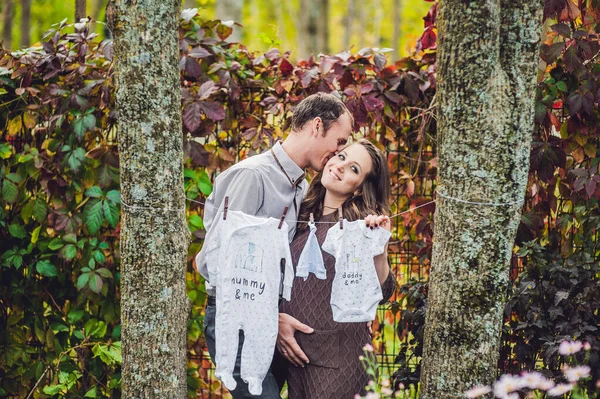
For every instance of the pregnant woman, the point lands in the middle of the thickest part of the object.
(357, 180)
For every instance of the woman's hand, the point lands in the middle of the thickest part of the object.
(286, 341)
(374, 221)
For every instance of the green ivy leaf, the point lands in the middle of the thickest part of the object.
(114, 196)
(52, 389)
(196, 221)
(5, 150)
(15, 178)
(104, 272)
(9, 191)
(111, 213)
(45, 268)
(70, 238)
(17, 230)
(39, 210)
(94, 192)
(75, 315)
(35, 234)
(69, 252)
(55, 244)
(94, 218)
(95, 283)
(95, 328)
(98, 256)
(92, 393)
(204, 183)
(82, 280)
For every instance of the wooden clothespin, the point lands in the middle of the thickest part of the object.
(341, 218)
(312, 218)
(282, 217)
(225, 208)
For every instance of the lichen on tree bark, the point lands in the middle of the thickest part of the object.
(154, 236)
(487, 65)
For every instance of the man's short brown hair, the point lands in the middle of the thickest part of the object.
(323, 105)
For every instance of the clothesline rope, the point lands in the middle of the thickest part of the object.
(306, 221)
(479, 203)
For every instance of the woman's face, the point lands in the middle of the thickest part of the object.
(345, 172)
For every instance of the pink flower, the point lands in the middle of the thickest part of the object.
(372, 395)
(507, 384)
(576, 373)
(569, 347)
(587, 346)
(560, 389)
(478, 391)
(368, 348)
(535, 380)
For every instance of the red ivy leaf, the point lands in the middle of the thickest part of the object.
(285, 67)
(590, 187)
(428, 39)
(196, 152)
(199, 52)
(213, 110)
(206, 89)
(550, 53)
(192, 116)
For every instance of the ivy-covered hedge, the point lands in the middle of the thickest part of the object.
(59, 202)
(59, 179)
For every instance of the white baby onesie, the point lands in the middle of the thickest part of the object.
(356, 290)
(244, 257)
(311, 258)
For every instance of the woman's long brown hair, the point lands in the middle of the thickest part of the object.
(373, 197)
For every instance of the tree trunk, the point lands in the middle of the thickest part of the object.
(348, 29)
(9, 10)
(323, 27)
(313, 28)
(80, 11)
(25, 23)
(154, 236)
(397, 23)
(231, 10)
(486, 92)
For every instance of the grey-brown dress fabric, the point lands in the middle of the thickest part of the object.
(335, 370)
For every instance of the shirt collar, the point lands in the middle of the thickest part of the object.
(289, 166)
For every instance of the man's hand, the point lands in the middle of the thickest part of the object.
(286, 341)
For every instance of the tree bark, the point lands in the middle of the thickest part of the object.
(487, 59)
(154, 236)
(231, 10)
(80, 9)
(348, 29)
(25, 23)
(397, 24)
(313, 28)
(323, 27)
(9, 10)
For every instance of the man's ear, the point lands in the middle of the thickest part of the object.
(317, 126)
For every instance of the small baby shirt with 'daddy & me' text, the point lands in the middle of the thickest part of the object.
(356, 290)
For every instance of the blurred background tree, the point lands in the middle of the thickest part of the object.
(302, 26)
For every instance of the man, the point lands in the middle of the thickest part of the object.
(263, 185)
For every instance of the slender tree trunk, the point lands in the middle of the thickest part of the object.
(25, 23)
(9, 10)
(154, 236)
(231, 10)
(378, 7)
(323, 27)
(80, 9)
(96, 7)
(348, 29)
(397, 24)
(486, 92)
